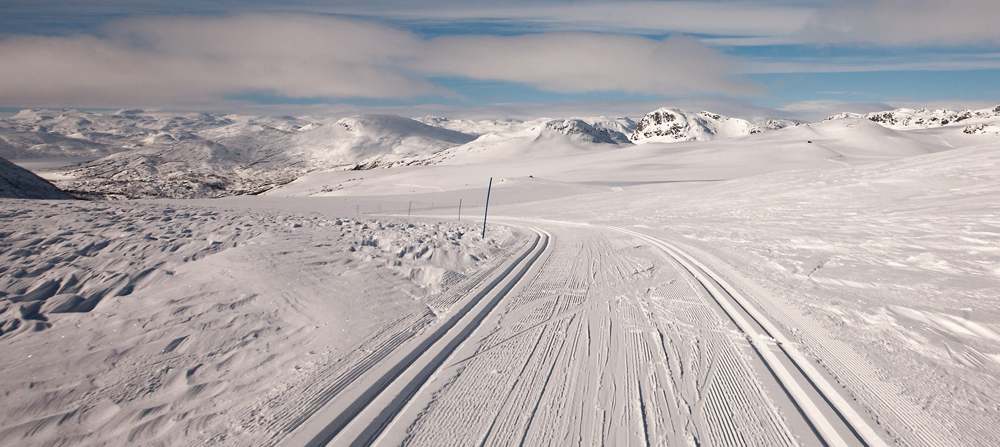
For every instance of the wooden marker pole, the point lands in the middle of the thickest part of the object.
(459, 210)
(487, 211)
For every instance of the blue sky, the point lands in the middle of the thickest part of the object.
(796, 59)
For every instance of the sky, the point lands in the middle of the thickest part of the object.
(792, 59)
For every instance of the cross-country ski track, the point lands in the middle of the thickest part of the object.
(594, 335)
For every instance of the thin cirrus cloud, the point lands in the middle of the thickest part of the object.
(727, 18)
(188, 60)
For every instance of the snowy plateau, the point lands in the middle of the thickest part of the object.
(680, 279)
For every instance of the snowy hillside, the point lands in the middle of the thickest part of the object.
(120, 307)
(19, 183)
(668, 125)
(551, 155)
(904, 118)
(471, 126)
(137, 154)
(150, 154)
(830, 283)
(584, 131)
(372, 139)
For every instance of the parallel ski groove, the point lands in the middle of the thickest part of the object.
(829, 435)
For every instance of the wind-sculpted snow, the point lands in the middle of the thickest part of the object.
(157, 324)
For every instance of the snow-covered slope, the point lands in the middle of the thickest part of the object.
(372, 139)
(472, 126)
(982, 129)
(142, 155)
(668, 125)
(584, 131)
(138, 312)
(904, 118)
(554, 156)
(19, 183)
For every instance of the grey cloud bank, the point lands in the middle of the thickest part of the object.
(188, 60)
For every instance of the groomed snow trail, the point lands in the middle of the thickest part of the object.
(358, 414)
(612, 338)
(764, 335)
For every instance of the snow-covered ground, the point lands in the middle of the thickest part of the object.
(671, 296)
(173, 324)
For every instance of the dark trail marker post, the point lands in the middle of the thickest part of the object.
(459, 210)
(487, 211)
(408, 208)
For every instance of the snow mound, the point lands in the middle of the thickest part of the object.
(859, 139)
(19, 183)
(667, 125)
(904, 118)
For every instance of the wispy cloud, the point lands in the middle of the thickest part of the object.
(631, 17)
(869, 63)
(894, 23)
(178, 60)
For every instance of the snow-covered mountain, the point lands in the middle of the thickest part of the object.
(138, 154)
(668, 125)
(388, 138)
(904, 118)
(610, 132)
(142, 154)
(983, 129)
(19, 183)
(473, 127)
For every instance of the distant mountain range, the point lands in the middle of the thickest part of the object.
(139, 154)
(976, 121)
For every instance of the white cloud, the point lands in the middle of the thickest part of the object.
(150, 62)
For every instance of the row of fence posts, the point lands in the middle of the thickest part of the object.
(409, 207)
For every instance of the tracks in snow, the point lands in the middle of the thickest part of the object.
(763, 335)
(358, 416)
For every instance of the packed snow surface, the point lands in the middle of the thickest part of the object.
(155, 323)
(831, 282)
